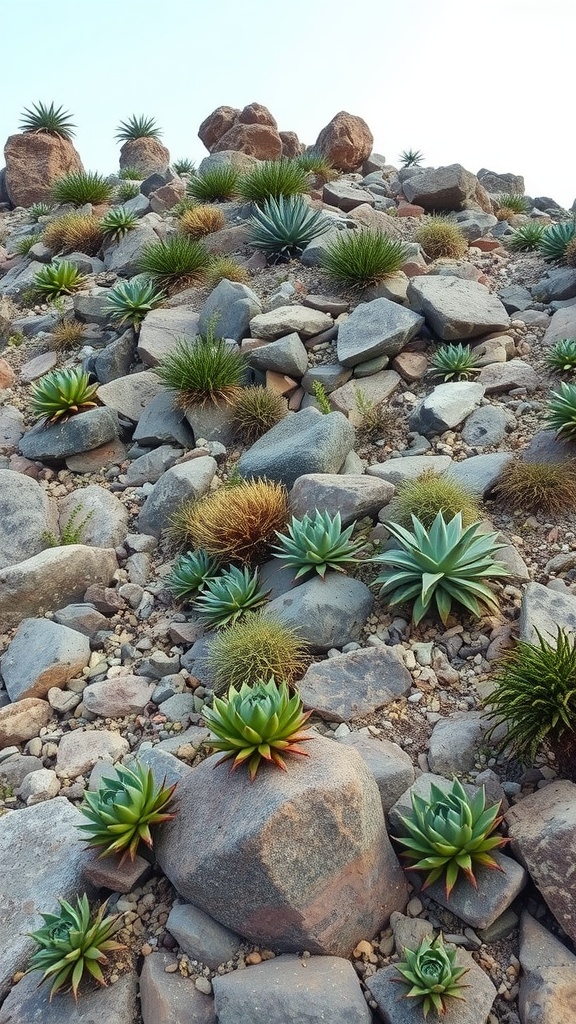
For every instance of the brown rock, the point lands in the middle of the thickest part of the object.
(216, 125)
(410, 365)
(280, 383)
(7, 375)
(33, 162)
(165, 198)
(256, 113)
(290, 145)
(115, 874)
(259, 140)
(346, 141)
(149, 156)
(22, 720)
(486, 244)
(105, 599)
(105, 455)
(410, 210)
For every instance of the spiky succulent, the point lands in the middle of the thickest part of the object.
(61, 393)
(137, 128)
(23, 245)
(513, 201)
(130, 174)
(117, 222)
(431, 974)
(51, 120)
(562, 356)
(454, 362)
(124, 809)
(218, 184)
(555, 238)
(526, 237)
(226, 597)
(316, 544)
(38, 210)
(191, 573)
(57, 278)
(184, 166)
(80, 187)
(450, 833)
(313, 161)
(126, 190)
(130, 301)
(411, 157)
(442, 564)
(257, 722)
(561, 411)
(255, 647)
(284, 227)
(73, 942)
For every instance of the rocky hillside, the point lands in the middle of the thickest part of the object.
(301, 420)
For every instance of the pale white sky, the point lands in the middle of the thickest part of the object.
(485, 84)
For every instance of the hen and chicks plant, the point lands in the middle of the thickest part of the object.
(229, 595)
(431, 974)
(454, 362)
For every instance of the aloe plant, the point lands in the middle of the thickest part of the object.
(316, 544)
(431, 974)
(228, 596)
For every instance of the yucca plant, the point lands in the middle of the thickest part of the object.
(72, 943)
(454, 362)
(208, 369)
(177, 260)
(74, 232)
(123, 810)
(256, 410)
(117, 223)
(228, 596)
(538, 486)
(61, 393)
(191, 573)
(226, 268)
(125, 191)
(313, 161)
(80, 187)
(446, 563)
(57, 278)
(23, 245)
(255, 647)
(255, 723)
(449, 833)
(526, 238)
(130, 301)
(534, 697)
(316, 544)
(562, 355)
(561, 411)
(202, 220)
(272, 179)
(283, 228)
(67, 334)
(38, 210)
(184, 166)
(441, 237)
(219, 184)
(362, 257)
(555, 239)
(431, 974)
(130, 174)
(411, 158)
(514, 202)
(428, 494)
(51, 120)
(137, 128)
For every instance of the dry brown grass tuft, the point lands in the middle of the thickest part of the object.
(256, 410)
(439, 238)
(74, 232)
(225, 267)
(570, 254)
(67, 334)
(202, 220)
(538, 486)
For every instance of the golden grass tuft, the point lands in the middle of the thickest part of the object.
(538, 486)
(256, 410)
(570, 254)
(202, 220)
(429, 494)
(74, 232)
(440, 237)
(256, 647)
(224, 267)
(67, 334)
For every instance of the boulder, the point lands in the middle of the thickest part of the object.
(455, 742)
(284, 319)
(23, 720)
(92, 307)
(130, 395)
(562, 325)
(325, 613)
(186, 481)
(374, 389)
(480, 473)
(548, 982)
(396, 471)
(82, 433)
(376, 328)
(41, 655)
(351, 685)
(352, 495)
(346, 195)
(499, 378)
(388, 763)
(346, 141)
(104, 517)
(34, 160)
(457, 310)
(234, 305)
(115, 1004)
(286, 355)
(307, 442)
(200, 937)
(228, 157)
(501, 184)
(545, 611)
(258, 140)
(123, 257)
(216, 125)
(290, 145)
(26, 513)
(148, 155)
(79, 751)
(166, 997)
(446, 407)
(442, 188)
(83, 616)
(161, 331)
(116, 358)
(487, 426)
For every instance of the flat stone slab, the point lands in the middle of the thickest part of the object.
(130, 395)
(41, 655)
(121, 695)
(79, 751)
(325, 613)
(352, 495)
(409, 467)
(285, 319)
(306, 442)
(376, 388)
(115, 1004)
(480, 473)
(501, 377)
(455, 309)
(350, 685)
(168, 998)
(545, 611)
(480, 907)
(376, 328)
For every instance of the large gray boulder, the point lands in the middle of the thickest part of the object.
(304, 320)
(26, 513)
(354, 496)
(441, 188)
(41, 655)
(161, 331)
(457, 310)
(184, 482)
(104, 516)
(545, 611)
(307, 442)
(81, 433)
(232, 306)
(376, 328)
(200, 937)
(326, 613)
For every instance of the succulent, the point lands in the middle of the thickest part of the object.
(61, 393)
(284, 227)
(446, 563)
(411, 158)
(561, 411)
(124, 808)
(226, 597)
(257, 722)
(526, 238)
(208, 369)
(219, 184)
(74, 232)
(362, 257)
(137, 128)
(183, 166)
(57, 278)
(202, 220)
(225, 268)
(431, 974)
(80, 187)
(130, 174)
(51, 120)
(271, 179)
(191, 573)
(454, 362)
(570, 253)
(177, 260)
(116, 223)
(255, 647)
(256, 410)
(125, 191)
(449, 833)
(555, 239)
(130, 301)
(73, 942)
(562, 355)
(441, 237)
(538, 486)
(317, 544)
(515, 202)
(428, 494)
(38, 210)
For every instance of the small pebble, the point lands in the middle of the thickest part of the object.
(415, 907)
(203, 985)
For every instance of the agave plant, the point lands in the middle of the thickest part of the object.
(515, 202)
(191, 573)
(61, 393)
(449, 833)
(125, 191)
(454, 362)
(51, 120)
(257, 722)
(561, 411)
(58, 278)
(411, 158)
(562, 356)
(73, 942)
(184, 166)
(431, 974)
(226, 597)
(80, 187)
(137, 128)
(130, 301)
(124, 808)
(284, 227)
(555, 239)
(443, 564)
(117, 223)
(526, 238)
(317, 544)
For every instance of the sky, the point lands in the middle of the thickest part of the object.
(487, 84)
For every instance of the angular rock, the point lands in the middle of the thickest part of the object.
(235, 305)
(164, 765)
(22, 720)
(130, 395)
(346, 141)
(352, 685)
(115, 359)
(39, 786)
(562, 325)
(212, 421)
(473, 224)
(313, 254)
(33, 162)
(92, 307)
(480, 473)
(280, 321)
(123, 257)
(166, 997)
(216, 125)
(353, 496)
(14, 769)
(114, 874)
(380, 327)
(388, 763)
(548, 981)
(286, 355)
(441, 188)
(200, 937)
(188, 480)
(160, 423)
(374, 389)
(11, 427)
(119, 696)
(455, 742)
(150, 467)
(457, 310)
(104, 516)
(501, 377)
(325, 613)
(42, 654)
(307, 442)
(556, 285)
(161, 331)
(26, 513)
(346, 195)
(396, 471)
(487, 426)
(115, 1004)
(81, 433)
(98, 459)
(501, 184)
(496, 891)
(79, 751)
(545, 611)
(446, 407)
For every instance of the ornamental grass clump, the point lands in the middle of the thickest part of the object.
(130, 174)
(67, 334)
(228, 596)
(62, 393)
(570, 253)
(74, 232)
(441, 237)
(130, 301)
(317, 543)
(218, 184)
(123, 810)
(23, 245)
(226, 268)
(562, 356)
(178, 261)
(284, 227)
(561, 411)
(80, 187)
(184, 166)
(444, 564)
(208, 369)
(510, 204)
(450, 833)
(255, 647)
(137, 128)
(454, 362)
(431, 974)
(50, 120)
(38, 210)
(271, 179)
(538, 486)
(190, 574)
(555, 240)
(256, 723)
(256, 410)
(117, 223)
(72, 943)
(313, 161)
(125, 191)
(428, 494)
(525, 238)
(362, 257)
(202, 220)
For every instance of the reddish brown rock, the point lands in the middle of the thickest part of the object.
(346, 141)
(216, 125)
(148, 155)
(167, 196)
(7, 375)
(256, 113)
(290, 145)
(409, 210)
(33, 162)
(486, 244)
(22, 720)
(259, 140)
(410, 365)
(113, 873)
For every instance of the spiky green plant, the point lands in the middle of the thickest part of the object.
(428, 494)
(227, 597)
(284, 227)
(177, 260)
(225, 268)
(254, 647)
(441, 237)
(51, 120)
(526, 238)
(256, 410)
(71, 532)
(57, 278)
(184, 166)
(123, 810)
(130, 174)
(23, 245)
(555, 239)
(255, 723)
(183, 206)
(316, 544)
(191, 573)
(271, 179)
(561, 411)
(431, 974)
(454, 362)
(562, 355)
(218, 184)
(130, 301)
(319, 392)
(61, 393)
(208, 369)
(446, 563)
(137, 128)
(411, 158)
(513, 201)
(73, 942)
(449, 833)
(313, 161)
(117, 223)
(125, 191)
(362, 257)
(80, 187)
(38, 210)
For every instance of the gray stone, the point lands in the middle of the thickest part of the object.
(313, 254)
(501, 377)
(307, 442)
(104, 516)
(81, 433)
(115, 359)
(79, 751)
(556, 285)
(179, 708)
(474, 224)
(380, 327)
(457, 310)
(480, 473)
(562, 325)
(39, 786)
(515, 298)
(92, 307)
(409, 932)
(150, 467)
(26, 513)
(42, 654)
(353, 496)
(212, 421)
(487, 426)
(496, 891)
(113, 873)
(375, 389)
(501, 184)
(29, 1004)
(502, 927)
(165, 765)
(281, 321)
(130, 395)
(545, 611)
(119, 696)
(38, 366)
(200, 937)
(161, 331)
(11, 426)
(396, 471)
(351, 685)
(19, 277)
(548, 982)
(440, 188)
(346, 195)
(123, 257)
(545, 446)
(234, 305)
(188, 480)
(160, 423)
(445, 407)
(388, 763)
(289, 989)
(455, 742)
(98, 459)
(331, 376)
(139, 205)
(15, 768)
(166, 997)
(326, 613)
(286, 355)
(22, 720)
